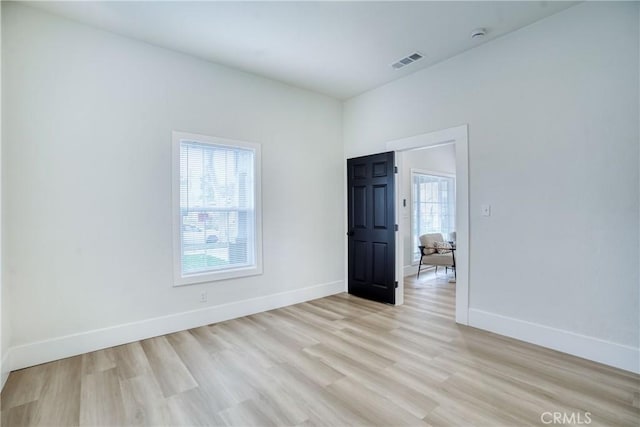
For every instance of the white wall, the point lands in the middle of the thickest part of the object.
(553, 117)
(87, 183)
(437, 159)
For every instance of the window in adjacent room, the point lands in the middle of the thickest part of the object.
(217, 218)
(434, 206)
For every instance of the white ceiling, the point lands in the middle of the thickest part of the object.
(337, 48)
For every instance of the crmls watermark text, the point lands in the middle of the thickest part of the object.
(573, 418)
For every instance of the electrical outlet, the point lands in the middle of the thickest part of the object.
(485, 210)
(203, 297)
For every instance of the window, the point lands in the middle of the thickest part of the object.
(217, 223)
(434, 205)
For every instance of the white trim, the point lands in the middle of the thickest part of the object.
(210, 276)
(598, 350)
(462, 224)
(433, 172)
(5, 369)
(31, 354)
(430, 139)
(398, 236)
(345, 199)
(460, 136)
(410, 270)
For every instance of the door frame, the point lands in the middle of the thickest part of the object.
(460, 136)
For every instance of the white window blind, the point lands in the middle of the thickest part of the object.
(434, 205)
(218, 219)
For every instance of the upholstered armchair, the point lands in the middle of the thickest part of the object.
(434, 251)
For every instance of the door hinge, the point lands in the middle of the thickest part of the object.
(396, 282)
(396, 227)
(404, 203)
(395, 169)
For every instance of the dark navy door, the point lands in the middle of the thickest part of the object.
(371, 216)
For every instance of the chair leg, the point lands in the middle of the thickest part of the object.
(436, 270)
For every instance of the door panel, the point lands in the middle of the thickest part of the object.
(359, 204)
(379, 207)
(379, 263)
(359, 171)
(371, 219)
(360, 260)
(379, 169)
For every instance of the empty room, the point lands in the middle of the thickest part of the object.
(320, 213)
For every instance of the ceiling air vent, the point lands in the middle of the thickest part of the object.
(415, 56)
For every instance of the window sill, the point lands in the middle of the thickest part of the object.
(206, 277)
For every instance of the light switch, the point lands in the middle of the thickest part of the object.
(485, 210)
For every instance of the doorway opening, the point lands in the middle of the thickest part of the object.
(436, 208)
(429, 204)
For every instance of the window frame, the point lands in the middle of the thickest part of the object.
(223, 274)
(415, 260)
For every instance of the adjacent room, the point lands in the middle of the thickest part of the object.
(429, 203)
(309, 213)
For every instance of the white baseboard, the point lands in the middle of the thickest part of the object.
(598, 350)
(4, 369)
(35, 353)
(412, 270)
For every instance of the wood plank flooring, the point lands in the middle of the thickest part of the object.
(334, 361)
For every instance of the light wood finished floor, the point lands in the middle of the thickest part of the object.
(334, 361)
